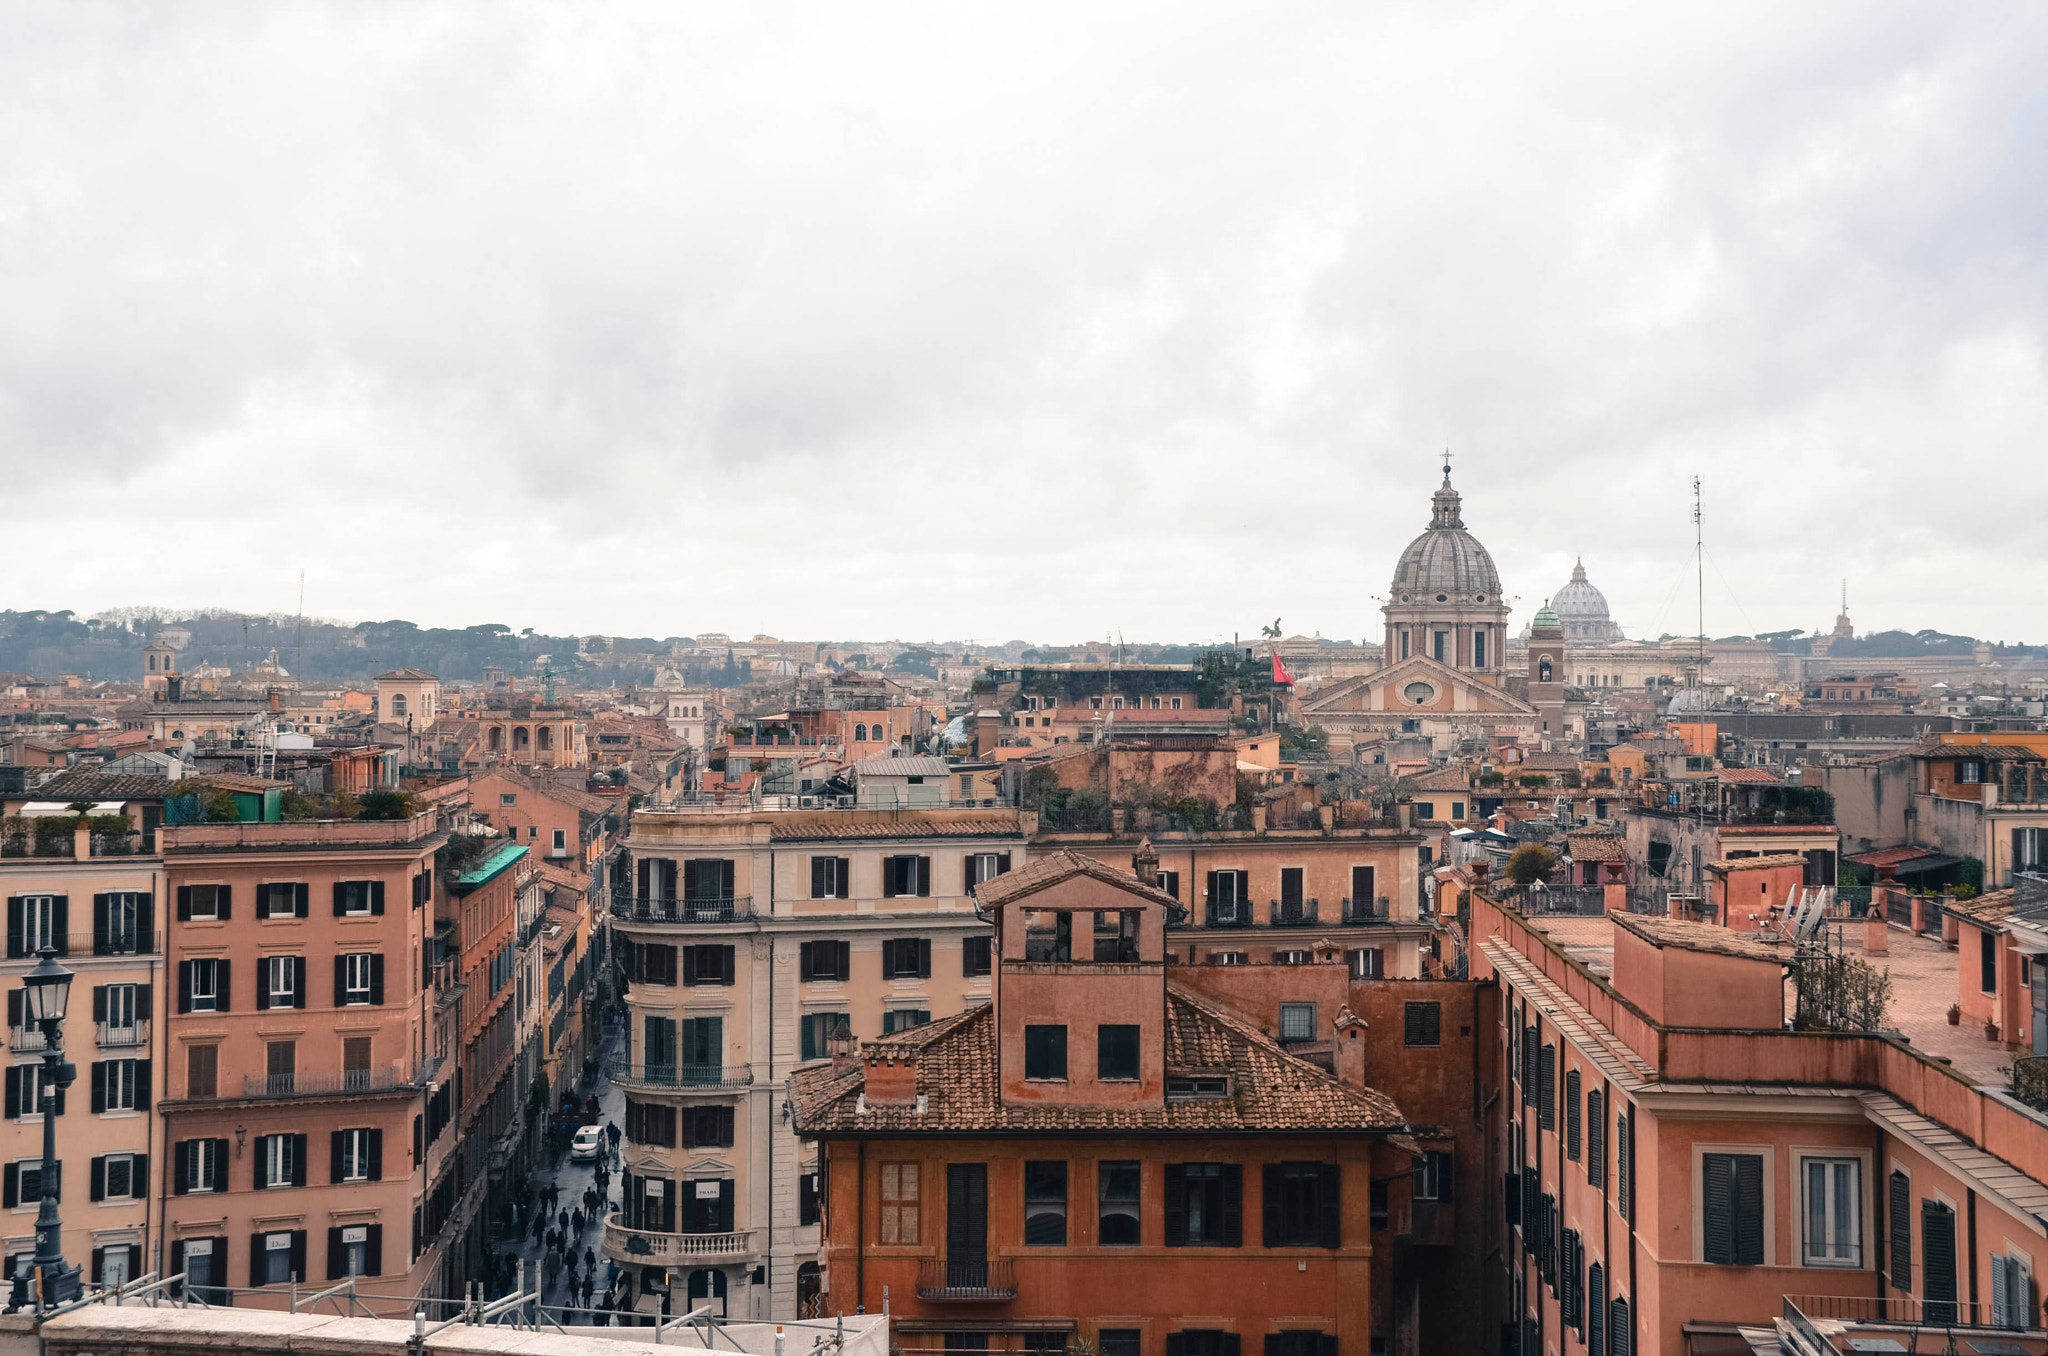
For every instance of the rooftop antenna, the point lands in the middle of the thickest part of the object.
(1699, 560)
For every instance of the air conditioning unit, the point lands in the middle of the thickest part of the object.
(807, 802)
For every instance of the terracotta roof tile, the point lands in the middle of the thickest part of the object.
(1746, 776)
(1049, 868)
(957, 1075)
(1692, 936)
(803, 828)
(1988, 909)
(1592, 845)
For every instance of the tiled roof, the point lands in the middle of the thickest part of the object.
(1050, 868)
(1990, 909)
(1766, 861)
(1996, 753)
(1745, 776)
(1589, 845)
(1444, 779)
(1539, 761)
(407, 676)
(957, 1075)
(1891, 856)
(1691, 936)
(235, 781)
(818, 828)
(99, 786)
(901, 767)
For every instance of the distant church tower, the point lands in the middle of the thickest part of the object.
(1445, 603)
(1546, 670)
(159, 666)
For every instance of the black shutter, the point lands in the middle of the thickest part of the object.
(143, 1070)
(1269, 1205)
(340, 896)
(803, 950)
(340, 980)
(225, 894)
(302, 894)
(98, 1264)
(1717, 1205)
(842, 960)
(1749, 1210)
(727, 959)
(1901, 1209)
(888, 958)
(1233, 1203)
(256, 1251)
(1176, 1344)
(818, 877)
(298, 1262)
(14, 1007)
(60, 923)
(689, 964)
(184, 905)
(223, 982)
(262, 984)
(924, 875)
(334, 1172)
(220, 1171)
(1176, 1210)
(13, 927)
(99, 925)
(337, 1264)
(99, 1006)
(10, 1186)
(924, 956)
(1002, 863)
(1596, 1140)
(138, 1176)
(1546, 1088)
(376, 896)
(377, 980)
(1572, 1098)
(145, 922)
(99, 1178)
(1329, 1205)
(298, 981)
(99, 1086)
(298, 1160)
(1621, 1335)
(725, 1127)
(1938, 1258)
(376, 1155)
(181, 1163)
(1232, 1344)
(373, 1250)
(184, 986)
(1624, 1162)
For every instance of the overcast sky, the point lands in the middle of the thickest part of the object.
(977, 321)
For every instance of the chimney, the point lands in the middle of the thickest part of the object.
(841, 1046)
(891, 1078)
(275, 704)
(1404, 815)
(1479, 870)
(1350, 1031)
(1258, 819)
(81, 841)
(1145, 862)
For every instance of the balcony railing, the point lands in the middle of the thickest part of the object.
(81, 944)
(321, 1084)
(645, 1246)
(120, 1037)
(940, 1278)
(1358, 912)
(1299, 913)
(640, 909)
(1237, 914)
(1807, 1315)
(690, 1077)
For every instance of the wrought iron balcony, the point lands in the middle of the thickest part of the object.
(1358, 912)
(322, 1084)
(941, 1278)
(642, 909)
(1298, 913)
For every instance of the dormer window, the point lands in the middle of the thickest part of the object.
(1197, 1087)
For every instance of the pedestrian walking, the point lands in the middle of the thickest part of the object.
(563, 1219)
(589, 1258)
(589, 1285)
(577, 1232)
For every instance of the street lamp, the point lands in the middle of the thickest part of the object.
(46, 990)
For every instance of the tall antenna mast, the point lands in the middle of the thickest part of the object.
(1699, 560)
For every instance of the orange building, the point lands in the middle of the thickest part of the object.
(1098, 1153)
(294, 1055)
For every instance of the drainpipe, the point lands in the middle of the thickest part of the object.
(1972, 1206)
(1879, 1197)
(860, 1265)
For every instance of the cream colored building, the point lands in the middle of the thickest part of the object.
(747, 935)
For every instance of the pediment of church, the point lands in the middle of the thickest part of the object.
(1418, 686)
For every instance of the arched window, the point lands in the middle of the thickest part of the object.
(521, 737)
(398, 706)
(497, 738)
(546, 734)
(707, 1286)
(860, 734)
(1543, 672)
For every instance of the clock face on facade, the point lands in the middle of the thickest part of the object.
(1419, 694)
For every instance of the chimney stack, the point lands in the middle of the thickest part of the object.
(891, 1078)
(1145, 862)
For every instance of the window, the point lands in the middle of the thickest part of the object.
(903, 1019)
(906, 876)
(200, 1165)
(907, 958)
(1625, 1161)
(1362, 890)
(119, 1177)
(1204, 1205)
(1546, 1088)
(203, 903)
(1732, 1208)
(708, 965)
(1045, 1204)
(1301, 1205)
(281, 899)
(899, 1202)
(1292, 957)
(1229, 898)
(1479, 649)
(120, 1085)
(1834, 1212)
(817, 1029)
(1045, 1052)
(1117, 1188)
(1434, 1182)
(278, 982)
(275, 1258)
(1203, 1342)
(982, 867)
(1122, 1341)
(280, 1161)
(1368, 962)
(358, 898)
(200, 1064)
(1970, 773)
(977, 956)
(508, 798)
(825, 960)
(1422, 1024)
(1297, 1021)
(807, 1198)
(361, 978)
(1299, 1342)
(1168, 882)
(280, 1060)
(1987, 962)
(24, 1183)
(116, 1008)
(206, 986)
(561, 840)
(2012, 1292)
(830, 877)
(1116, 1052)
(1438, 642)
(355, 1250)
(707, 1127)
(121, 923)
(355, 1156)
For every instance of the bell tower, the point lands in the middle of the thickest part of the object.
(1546, 671)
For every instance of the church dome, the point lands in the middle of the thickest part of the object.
(1583, 610)
(1446, 564)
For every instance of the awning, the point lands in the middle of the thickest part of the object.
(44, 809)
(1920, 866)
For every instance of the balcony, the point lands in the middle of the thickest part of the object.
(113, 1037)
(642, 1247)
(1362, 912)
(1215, 916)
(1295, 913)
(990, 1281)
(640, 909)
(678, 1077)
(78, 945)
(280, 1085)
(1821, 1325)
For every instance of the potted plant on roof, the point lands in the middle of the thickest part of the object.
(1991, 1029)
(1955, 1014)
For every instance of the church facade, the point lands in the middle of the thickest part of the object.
(1445, 676)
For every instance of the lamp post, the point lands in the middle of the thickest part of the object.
(45, 992)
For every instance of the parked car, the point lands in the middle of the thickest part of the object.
(589, 1142)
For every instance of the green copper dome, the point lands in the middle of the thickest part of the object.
(1544, 617)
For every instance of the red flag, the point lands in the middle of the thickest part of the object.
(1280, 673)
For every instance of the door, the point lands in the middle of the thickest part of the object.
(966, 1225)
(703, 1049)
(2040, 987)
(658, 1050)
(1938, 1262)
